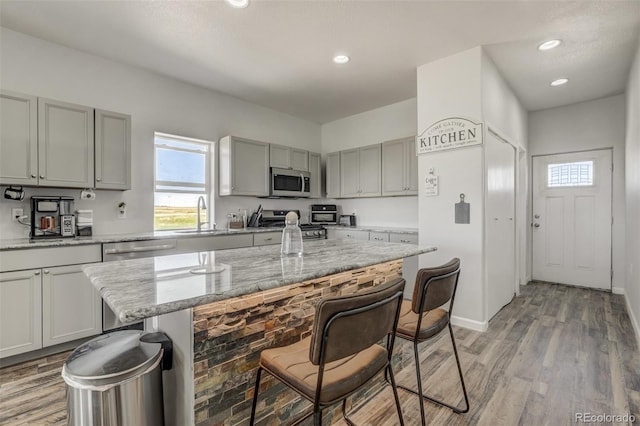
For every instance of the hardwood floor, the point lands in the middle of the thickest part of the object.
(554, 351)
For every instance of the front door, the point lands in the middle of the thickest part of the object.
(572, 218)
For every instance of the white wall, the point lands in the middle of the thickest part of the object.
(632, 156)
(156, 103)
(451, 87)
(585, 126)
(382, 124)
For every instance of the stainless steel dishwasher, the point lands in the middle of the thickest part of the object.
(131, 250)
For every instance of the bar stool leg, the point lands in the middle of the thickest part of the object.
(395, 394)
(344, 413)
(255, 397)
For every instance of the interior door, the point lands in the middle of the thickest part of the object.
(572, 218)
(500, 223)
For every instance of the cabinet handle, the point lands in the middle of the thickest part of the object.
(405, 241)
(41, 177)
(97, 179)
(268, 239)
(233, 187)
(33, 176)
(46, 271)
(36, 273)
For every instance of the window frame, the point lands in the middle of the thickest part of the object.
(209, 183)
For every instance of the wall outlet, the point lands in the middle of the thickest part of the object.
(16, 213)
(122, 211)
(87, 195)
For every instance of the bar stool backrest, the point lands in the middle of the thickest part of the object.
(436, 285)
(346, 325)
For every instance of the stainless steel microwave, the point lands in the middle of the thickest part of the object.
(289, 183)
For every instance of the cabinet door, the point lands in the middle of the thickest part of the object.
(65, 144)
(393, 168)
(244, 167)
(71, 306)
(315, 173)
(113, 150)
(403, 238)
(333, 175)
(20, 312)
(299, 159)
(349, 185)
(412, 167)
(369, 171)
(18, 139)
(279, 156)
(379, 236)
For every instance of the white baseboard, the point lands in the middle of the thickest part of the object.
(633, 319)
(469, 323)
(617, 290)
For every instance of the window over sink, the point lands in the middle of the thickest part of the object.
(183, 173)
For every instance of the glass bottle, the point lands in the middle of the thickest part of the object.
(291, 236)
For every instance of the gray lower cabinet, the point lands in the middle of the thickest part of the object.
(71, 306)
(244, 167)
(379, 236)
(18, 139)
(267, 238)
(112, 150)
(20, 312)
(347, 234)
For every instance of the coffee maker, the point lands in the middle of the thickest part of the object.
(52, 217)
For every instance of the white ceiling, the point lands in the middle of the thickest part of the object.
(278, 53)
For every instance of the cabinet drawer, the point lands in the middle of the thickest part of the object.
(379, 236)
(218, 242)
(343, 234)
(17, 260)
(266, 238)
(403, 238)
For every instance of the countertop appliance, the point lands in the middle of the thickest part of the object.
(289, 183)
(131, 250)
(348, 220)
(52, 217)
(323, 214)
(276, 218)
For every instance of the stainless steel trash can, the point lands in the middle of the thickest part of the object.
(116, 379)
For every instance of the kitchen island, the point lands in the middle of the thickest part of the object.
(222, 308)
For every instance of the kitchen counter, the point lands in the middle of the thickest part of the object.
(142, 288)
(25, 243)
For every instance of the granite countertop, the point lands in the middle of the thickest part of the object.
(25, 243)
(375, 229)
(142, 288)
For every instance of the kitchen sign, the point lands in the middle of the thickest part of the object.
(449, 133)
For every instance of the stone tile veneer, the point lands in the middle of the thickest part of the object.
(229, 336)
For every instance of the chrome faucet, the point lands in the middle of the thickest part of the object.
(204, 207)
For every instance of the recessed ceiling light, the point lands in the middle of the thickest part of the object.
(559, 82)
(240, 4)
(550, 44)
(341, 59)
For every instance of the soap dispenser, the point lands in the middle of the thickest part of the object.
(291, 236)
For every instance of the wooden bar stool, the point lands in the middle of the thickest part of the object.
(342, 353)
(423, 317)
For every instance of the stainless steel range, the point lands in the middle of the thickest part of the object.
(275, 219)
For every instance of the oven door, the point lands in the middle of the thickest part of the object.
(290, 183)
(324, 218)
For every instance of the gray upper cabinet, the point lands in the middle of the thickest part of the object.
(65, 144)
(244, 167)
(399, 167)
(360, 172)
(18, 139)
(285, 157)
(333, 175)
(113, 150)
(316, 175)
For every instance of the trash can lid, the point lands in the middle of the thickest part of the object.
(111, 358)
